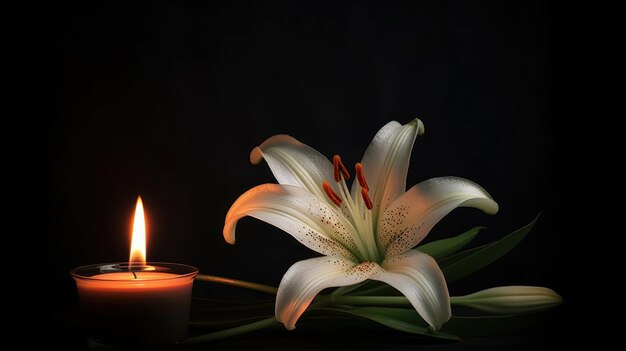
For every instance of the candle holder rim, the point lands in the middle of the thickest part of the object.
(192, 271)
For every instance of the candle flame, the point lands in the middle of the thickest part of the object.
(138, 240)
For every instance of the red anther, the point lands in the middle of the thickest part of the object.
(331, 194)
(360, 177)
(336, 161)
(366, 198)
(338, 166)
(344, 170)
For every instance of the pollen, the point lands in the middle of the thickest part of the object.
(366, 198)
(339, 167)
(360, 176)
(331, 194)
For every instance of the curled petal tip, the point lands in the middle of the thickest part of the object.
(497, 208)
(490, 207)
(420, 126)
(278, 140)
(229, 232)
(256, 155)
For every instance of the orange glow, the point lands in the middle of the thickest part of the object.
(138, 241)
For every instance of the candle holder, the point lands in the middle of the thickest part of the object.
(135, 304)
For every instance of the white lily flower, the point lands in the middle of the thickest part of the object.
(511, 299)
(365, 233)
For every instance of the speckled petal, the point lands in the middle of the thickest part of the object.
(305, 279)
(299, 213)
(408, 219)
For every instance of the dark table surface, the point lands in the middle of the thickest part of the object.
(69, 336)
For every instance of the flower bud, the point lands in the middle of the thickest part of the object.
(510, 299)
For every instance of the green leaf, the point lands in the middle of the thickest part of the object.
(450, 260)
(402, 319)
(446, 247)
(376, 288)
(485, 255)
(350, 288)
(368, 287)
(496, 325)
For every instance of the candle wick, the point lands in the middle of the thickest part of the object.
(134, 275)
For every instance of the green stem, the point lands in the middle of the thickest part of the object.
(373, 290)
(457, 300)
(246, 328)
(240, 283)
(382, 300)
(370, 300)
(320, 301)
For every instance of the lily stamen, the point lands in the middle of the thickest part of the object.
(331, 194)
(338, 166)
(360, 177)
(358, 242)
(366, 198)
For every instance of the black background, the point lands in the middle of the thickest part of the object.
(167, 99)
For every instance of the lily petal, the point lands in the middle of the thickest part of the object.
(386, 162)
(297, 212)
(418, 277)
(294, 163)
(409, 219)
(305, 279)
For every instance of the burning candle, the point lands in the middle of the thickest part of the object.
(135, 303)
